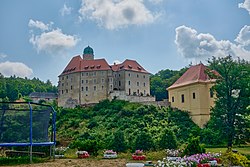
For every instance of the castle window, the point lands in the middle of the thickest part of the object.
(71, 87)
(87, 81)
(143, 76)
(94, 88)
(138, 83)
(144, 92)
(144, 84)
(172, 98)
(119, 75)
(62, 84)
(128, 82)
(182, 98)
(86, 88)
(129, 91)
(82, 81)
(138, 91)
(94, 73)
(62, 91)
(115, 75)
(102, 87)
(82, 88)
(102, 80)
(119, 83)
(87, 73)
(129, 74)
(67, 77)
(94, 80)
(211, 93)
(137, 76)
(62, 78)
(66, 90)
(193, 95)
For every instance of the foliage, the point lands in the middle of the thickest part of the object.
(229, 115)
(15, 87)
(92, 146)
(168, 140)
(161, 80)
(118, 119)
(118, 143)
(144, 141)
(233, 159)
(193, 147)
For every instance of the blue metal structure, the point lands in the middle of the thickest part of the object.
(6, 109)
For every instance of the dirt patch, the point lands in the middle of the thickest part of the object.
(79, 163)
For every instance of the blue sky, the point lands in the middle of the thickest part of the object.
(38, 38)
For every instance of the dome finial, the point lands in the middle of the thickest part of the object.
(88, 50)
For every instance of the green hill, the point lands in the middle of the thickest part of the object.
(106, 119)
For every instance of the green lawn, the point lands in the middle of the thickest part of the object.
(242, 150)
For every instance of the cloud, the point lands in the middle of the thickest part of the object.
(243, 37)
(66, 10)
(38, 24)
(2, 55)
(114, 14)
(199, 47)
(156, 1)
(245, 5)
(15, 68)
(53, 41)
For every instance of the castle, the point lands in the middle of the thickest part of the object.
(86, 80)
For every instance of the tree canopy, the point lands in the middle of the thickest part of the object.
(230, 115)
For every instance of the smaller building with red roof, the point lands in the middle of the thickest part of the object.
(86, 80)
(192, 93)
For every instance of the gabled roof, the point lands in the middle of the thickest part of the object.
(77, 64)
(129, 65)
(97, 64)
(195, 74)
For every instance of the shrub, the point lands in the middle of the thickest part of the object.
(231, 158)
(144, 141)
(168, 140)
(193, 147)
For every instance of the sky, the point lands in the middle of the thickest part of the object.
(39, 38)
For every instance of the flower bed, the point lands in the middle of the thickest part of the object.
(110, 154)
(82, 154)
(199, 160)
(138, 155)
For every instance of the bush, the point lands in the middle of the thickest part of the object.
(144, 141)
(92, 146)
(118, 144)
(168, 140)
(193, 147)
(231, 158)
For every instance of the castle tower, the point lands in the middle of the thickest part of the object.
(88, 53)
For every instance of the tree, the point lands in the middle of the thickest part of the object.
(168, 140)
(232, 89)
(118, 143)
(144, 141)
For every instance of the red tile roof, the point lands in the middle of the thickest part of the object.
(77, 64)
(129, 65)
(194, 74)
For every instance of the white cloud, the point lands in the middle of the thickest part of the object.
(66, 10)
(155, 1)
(2, 55)
(199, 47)
(245, 5)
(15, 68)
(53, 41)
(113, 14)
(243, 37)
(40, 25)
